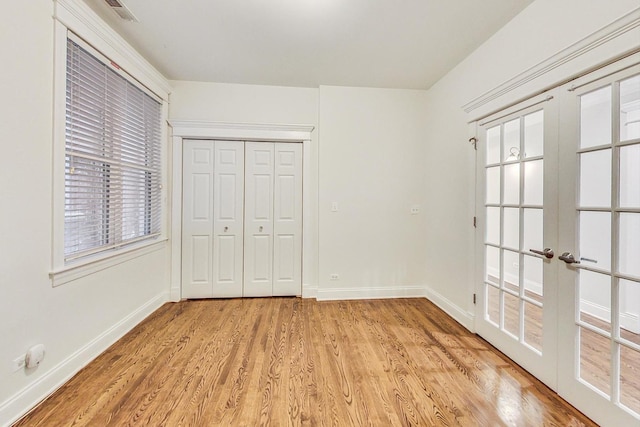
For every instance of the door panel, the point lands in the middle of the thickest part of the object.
(600, 231)
(228, 224)
(197, 219)
(287, 274)
(258, 242)
(516, 310)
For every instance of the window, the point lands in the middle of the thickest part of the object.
(113, 134)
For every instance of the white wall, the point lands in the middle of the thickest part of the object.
(539, 32)
(372, 151)
(236, 103)
(76, 320)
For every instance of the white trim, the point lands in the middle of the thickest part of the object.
(373, 292)
(23, 401)
(465, 318)
(89, 266)
(309, 291)
(628, 321)
(620, 38)
(241, 131)
(79, 18)
(196, 129)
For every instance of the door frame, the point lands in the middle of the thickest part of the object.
(189, 129)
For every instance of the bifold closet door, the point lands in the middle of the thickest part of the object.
(273, 219)
(212, 229)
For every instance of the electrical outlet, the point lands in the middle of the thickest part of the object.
(334, 276)
(334, 207)
(415, 210)
(18, 363)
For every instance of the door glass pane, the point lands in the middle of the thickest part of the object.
(532, 229)
(630, 108)
(595, 239)
(512, 184)
(493, 145)
(595, 179)
(493, 265)
(629, 300)
(534, 134)
(595, 299)
(595, 360)
(493, 185)
(533, 325)
(493, 225)
(511, 143)
(629, 378)
(533, 182)
(493, 305)
(533, 287)
(511, 314)
(629, 244)
(595, 118)
(511, 270)
(630, 176)
(511, 228)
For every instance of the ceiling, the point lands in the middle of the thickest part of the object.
(370, 43)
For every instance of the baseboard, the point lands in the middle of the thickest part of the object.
(175, 295)
(628, 321)
(370, 293)
(462, 316)
(22, 402)
(309, 291)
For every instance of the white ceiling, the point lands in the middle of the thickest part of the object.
(372, 43)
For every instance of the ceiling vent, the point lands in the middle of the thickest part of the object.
(123, 11)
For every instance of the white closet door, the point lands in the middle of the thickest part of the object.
(258, 233)
(228, 221)
(287, 223)
(197, 219)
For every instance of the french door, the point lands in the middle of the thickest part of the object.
(599, 267)
(517, 154)
(559, 240)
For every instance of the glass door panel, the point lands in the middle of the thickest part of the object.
(600, 339)
(516, 210)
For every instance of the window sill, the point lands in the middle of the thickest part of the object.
(84, 268)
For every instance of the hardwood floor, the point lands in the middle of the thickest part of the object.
(289, 361)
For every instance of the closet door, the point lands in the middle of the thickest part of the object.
(228, 224)
(287, 226)
(197, 219)
(258, 233)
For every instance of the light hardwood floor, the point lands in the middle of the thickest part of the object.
(289, 361)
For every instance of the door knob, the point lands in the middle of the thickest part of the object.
(569, 258)
(547, 252)
(226, 229)
(260, 229)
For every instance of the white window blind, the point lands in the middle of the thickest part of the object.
(112, 155)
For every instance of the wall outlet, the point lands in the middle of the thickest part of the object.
(415, 210)
(334, 276)
(18, 363)
(334, 206)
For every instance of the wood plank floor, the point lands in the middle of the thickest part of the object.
(291, 361)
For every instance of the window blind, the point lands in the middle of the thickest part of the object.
(112, 158)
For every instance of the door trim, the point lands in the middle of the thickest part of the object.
(192, 129)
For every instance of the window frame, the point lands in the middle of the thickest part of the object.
(110, 48)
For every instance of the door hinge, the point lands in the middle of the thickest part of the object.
(475, 222)
(474, 143)
(474, 298)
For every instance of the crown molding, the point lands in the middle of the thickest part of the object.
(615, 30)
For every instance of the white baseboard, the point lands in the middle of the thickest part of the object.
(175, 294)
(370, 293)
(309, 291)
(23, 401)
(628, 321)
(462, 316)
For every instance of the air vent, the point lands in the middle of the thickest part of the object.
(123, 11)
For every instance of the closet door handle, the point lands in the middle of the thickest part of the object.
(260, 229)
(226, 229)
